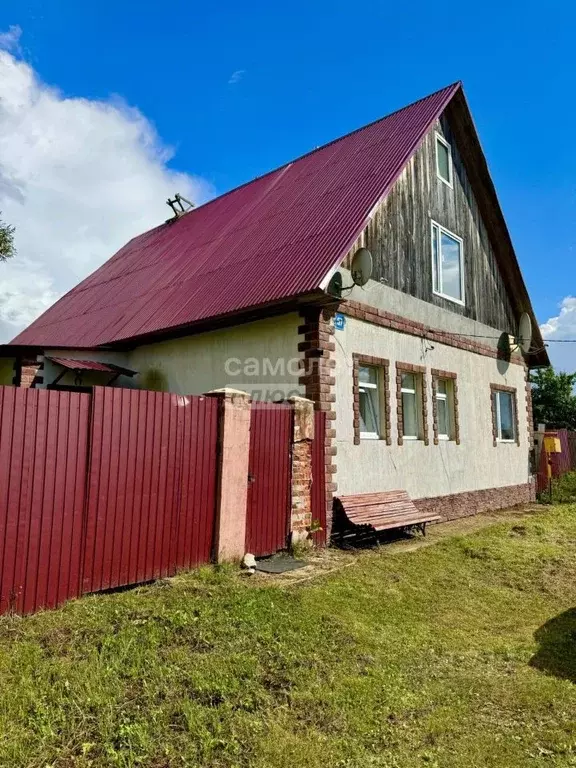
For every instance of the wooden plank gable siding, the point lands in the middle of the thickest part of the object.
(399, 237)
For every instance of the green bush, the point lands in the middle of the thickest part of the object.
(563, 489)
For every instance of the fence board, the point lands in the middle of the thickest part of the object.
(152, 486)
(269, 490)
(197, 501)
(43, 446)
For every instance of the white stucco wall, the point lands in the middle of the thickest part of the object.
(432, 470)
(259, 357)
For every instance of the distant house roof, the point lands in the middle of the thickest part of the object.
(267, 242)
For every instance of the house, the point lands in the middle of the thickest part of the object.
(420, 391)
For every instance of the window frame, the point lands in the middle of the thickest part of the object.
(383, 368)
(445, 397)
(497, 439)
(420, 392)
(497, 394)
(451, 397)
(439, 139)
(364, 385)
(434, 224)
(417, 395)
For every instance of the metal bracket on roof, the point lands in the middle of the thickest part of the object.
(177, 205)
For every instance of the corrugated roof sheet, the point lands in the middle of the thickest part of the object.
(271, 239)
(89, 365)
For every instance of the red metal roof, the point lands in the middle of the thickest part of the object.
(90, 365)
(271, 239)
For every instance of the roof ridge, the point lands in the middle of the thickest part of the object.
(456, 84)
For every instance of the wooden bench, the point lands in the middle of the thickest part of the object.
(366, 514)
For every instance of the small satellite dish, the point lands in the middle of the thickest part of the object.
(524, 336)
(361, 266)
(335, 285)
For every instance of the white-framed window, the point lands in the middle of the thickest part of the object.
(369, 402)
(447, 264)
(411, 393)
(505, 417)
(444, 409)
(444, 168)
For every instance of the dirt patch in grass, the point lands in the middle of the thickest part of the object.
(456, 654)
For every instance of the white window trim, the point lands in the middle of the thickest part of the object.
(368, 385)
(442, 140)
(446, 398)
(499, 438)
(415, 392)
(460, 302)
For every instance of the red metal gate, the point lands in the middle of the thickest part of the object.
(269, 491)
(43, 448)
(151, 491)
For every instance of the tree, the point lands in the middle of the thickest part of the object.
(7, 249)
(553, 398)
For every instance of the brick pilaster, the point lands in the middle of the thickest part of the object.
(29, 373)
(303, 435)
(317, 378)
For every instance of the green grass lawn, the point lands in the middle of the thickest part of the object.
(462, 654)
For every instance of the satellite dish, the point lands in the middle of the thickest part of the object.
(361, 266)
(335, 285)
(524, 337)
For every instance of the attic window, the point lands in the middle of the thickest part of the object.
(447, 264)
(443, 160)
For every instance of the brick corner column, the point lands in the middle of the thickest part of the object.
(29, 372)
(303, 435)
(232, 494)
(317, 378)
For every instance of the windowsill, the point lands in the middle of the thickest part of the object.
(445, 438)
(412, 438)
(369, 436)
(501, 440)
(449, 298)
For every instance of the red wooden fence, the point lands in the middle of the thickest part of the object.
(152, 476)
(118, 487)
(43, 449)
(561, 463)
(147, 509)
(269, 468)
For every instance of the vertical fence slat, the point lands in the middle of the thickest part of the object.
(41, 435)
(269, 492)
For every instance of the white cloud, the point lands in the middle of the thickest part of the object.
(562, 326)
(78, 179)
(235, 77)
(10, 41)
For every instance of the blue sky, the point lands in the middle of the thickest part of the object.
(308, 72)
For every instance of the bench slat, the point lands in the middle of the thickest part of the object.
(384, 511)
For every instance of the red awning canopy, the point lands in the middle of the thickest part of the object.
(90, 365)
